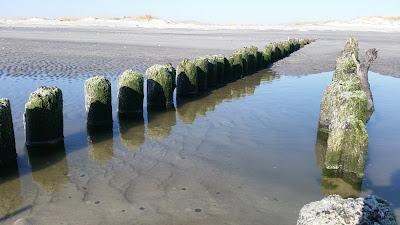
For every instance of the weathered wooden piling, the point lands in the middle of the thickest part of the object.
(130, 93)
(227, 70)
(7, 140)
(246, 59)
(253, 64)
(220, 61)
(345, 108)
(235, 68)
(212, 72)
(187, 83)
(202, 66)
(98, 101)
(44, 117)
(160, 87)
(268, 55)
(239, 65)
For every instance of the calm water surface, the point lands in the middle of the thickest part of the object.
(246, 153)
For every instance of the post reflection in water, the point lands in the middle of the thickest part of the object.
(189, 109)
(10, 190)
(335, 181)
(100, 144)
(49, 167)
(131, 132)
(160, 123)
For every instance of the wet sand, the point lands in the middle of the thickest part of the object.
(66, 52)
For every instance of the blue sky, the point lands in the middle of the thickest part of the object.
(225, 11)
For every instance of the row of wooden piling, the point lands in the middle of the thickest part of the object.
(43, 115)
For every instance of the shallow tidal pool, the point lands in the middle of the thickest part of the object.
(245, 153)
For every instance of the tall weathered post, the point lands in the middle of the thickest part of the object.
(98, 102)
(44, 117)
(7, 139)
(130, 94)
(160, 87)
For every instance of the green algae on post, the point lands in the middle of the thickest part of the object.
(347, 146)
(212, 72)
(239, 65)
(247, 61)
(7, 139)
(130, 93)
(160, 87)
(330, 101)
(227, 70)
(220, 61)
(44, 117)
(202, 73)
(98, 101)
(236, 68)
(187, 84)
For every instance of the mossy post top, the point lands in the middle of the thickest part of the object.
(158, 70)
(49, 98)
(186, 66)
(164, 75)
(131, 79)
(98, 86)
(4, 104)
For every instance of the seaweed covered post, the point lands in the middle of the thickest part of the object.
(227, 70)
(7, 140)
(345, 109)
(160, 87)
(212, 72)
(220, 61)
(268, 55)
(239, 65)
(44, 117)
(202, 73)
(236, 68)
(130, 93)
(98, 102)
(253, 59)
(187, 84)
(248, 61)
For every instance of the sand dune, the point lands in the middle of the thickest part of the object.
(377, 23)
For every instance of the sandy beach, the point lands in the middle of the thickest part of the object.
(202, 164)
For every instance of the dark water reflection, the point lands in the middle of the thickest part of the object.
(10, 190)
(131, 132)
(49, 167)
(245, 153)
